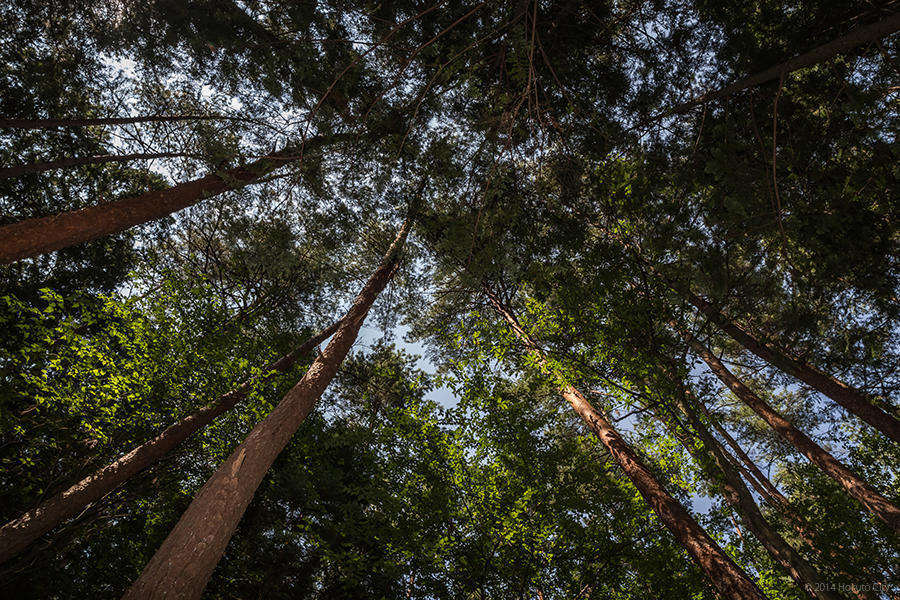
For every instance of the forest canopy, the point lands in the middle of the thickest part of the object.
(450, 300)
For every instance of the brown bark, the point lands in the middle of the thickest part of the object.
(723, 573)
(32, 237)
(855, 37)
(852, 483)
(54, 123)
(20, 533)
(852, 399)
(753, 471)
(773, 497)
(183, 564)
(99, 159)
(737, 494)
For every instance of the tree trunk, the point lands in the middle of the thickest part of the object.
(854, 485)
(856, 37)
(737, 494)
(852, 399)
(754, 474)
(54, 123)
(723, 573)
(185, 561)
(85, 160)
(776, 499)
(20, 533)
(33, 237)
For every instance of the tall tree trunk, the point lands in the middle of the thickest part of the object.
(32, 237)
(776, 499)
(99, 159)
(20, 533)
(723, 573)
(852, 399)
(54, 123)
(855, 37)
(737, 494)
(852, 483)
(753, 472)
(185, 561)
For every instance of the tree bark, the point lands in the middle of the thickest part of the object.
(852, 399)
(99, 159)
(776, 499)
(33, 237)
(852, 483)
(20, 533)
(754, 473)
(737, 494)
(185, 561)
(723, 573)
(855, 37)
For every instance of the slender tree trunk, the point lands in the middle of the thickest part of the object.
(856, 37)
(54, 123)
(20, 533)
(852, 399)
(723, 573)
(33, 237)
(754, 483)
(737, 494)
(852, 483)
(754, 473)
(185, 561)
(778, 502)
(85, 160)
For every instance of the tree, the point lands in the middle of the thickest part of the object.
(724, 574)
(203, 531)
(612, 172)
(33, 237)
(19, 533)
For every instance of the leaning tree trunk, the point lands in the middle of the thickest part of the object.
(776, 499)
(756, 477)
(20, 533)
(856, 37)
(852, 399)
(738, 495)
(852, 483)
(33, 237)
(723, 573)
(99, 159)
(185, 561)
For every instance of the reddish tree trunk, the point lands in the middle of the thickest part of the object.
(20, 533)
(738, 496)
(754, 474)
(852, 483)
(856, 37)
(855, 401)
(776, 499)
(84, 160)
(852, 399)
(723, 573)
(183, 564)
(44, 234)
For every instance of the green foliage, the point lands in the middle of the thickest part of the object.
(528, 137)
